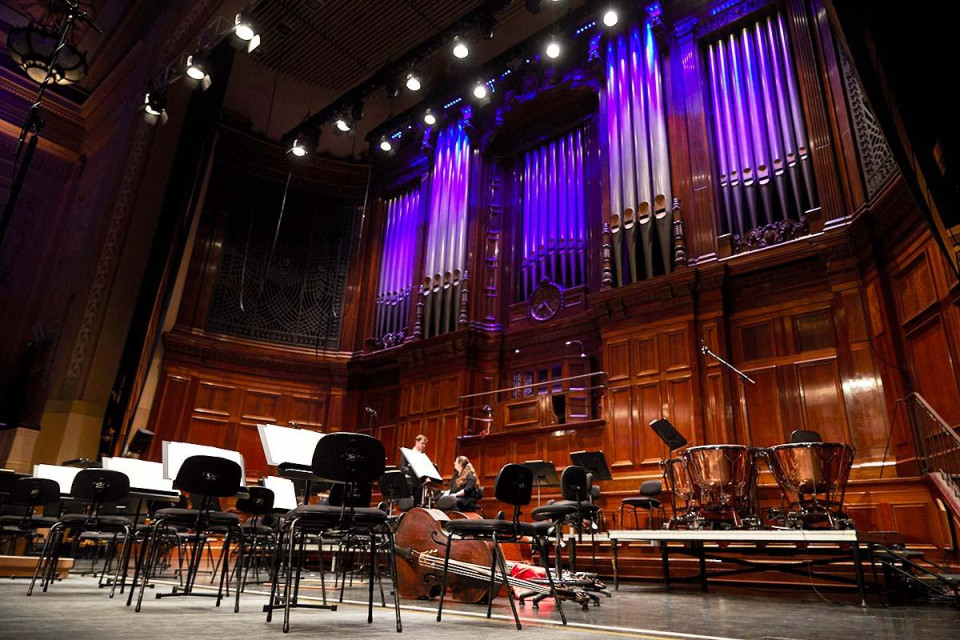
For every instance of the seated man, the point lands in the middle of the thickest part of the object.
(416, 488)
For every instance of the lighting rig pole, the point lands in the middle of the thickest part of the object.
(34, 123)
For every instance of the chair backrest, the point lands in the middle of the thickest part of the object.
(33, 492)
(357, 494)
(100, 485)
(259, 501)
(209, 476)
(514, 485)
(574, 484)
(803, 435)
(651, 488)
(349, 457)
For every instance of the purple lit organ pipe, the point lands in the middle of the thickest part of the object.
(639, 166)
(761, 143)
(396, 272)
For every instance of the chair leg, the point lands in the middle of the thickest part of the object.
(224, 552)
(289, 581)
(43, 555)
(393, 576)
(127, 535)
(150, 548)
(443, 579)
(236, 603)
(498, 556)
(373, 564)
(553, 590)
(275, 577)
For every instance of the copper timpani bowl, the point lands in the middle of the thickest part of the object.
(720, 473)
(811, 467)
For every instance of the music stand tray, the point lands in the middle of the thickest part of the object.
(544, 475)
(594, 462)
(393, 485)
(668, 434)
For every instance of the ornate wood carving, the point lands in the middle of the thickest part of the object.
(679, 242)
(464, 317)
(606, 281)
(770, 234)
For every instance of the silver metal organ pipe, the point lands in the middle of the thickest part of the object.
(640, 135)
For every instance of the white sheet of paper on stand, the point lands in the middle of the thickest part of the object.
(143, 474)
(284, 492)
(285, 445)
(421, 464)
(175, 453)
(61, 475)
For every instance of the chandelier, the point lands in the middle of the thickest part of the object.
(34, 47)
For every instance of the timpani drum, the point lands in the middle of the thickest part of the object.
(721, 476)
(816, 475)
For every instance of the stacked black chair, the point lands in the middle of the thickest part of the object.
(96, 488)
(648, 499)
(514, 486)
(206, 478)
(575, 508)
(804, 435)
(18, 520)
(355, 461)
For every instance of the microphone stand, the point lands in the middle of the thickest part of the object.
(741, 378)
(33, 124)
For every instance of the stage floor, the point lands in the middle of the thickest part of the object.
(76, 609)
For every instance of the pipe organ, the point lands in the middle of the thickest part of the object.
(396, 267)
(760, 141)
(553, 215)
(632, 107)
(445, 259)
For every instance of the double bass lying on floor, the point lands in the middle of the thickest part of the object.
(420, 546)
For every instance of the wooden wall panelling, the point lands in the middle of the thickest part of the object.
(821, 397)
(619, 443)
(169, 411)
(650, 405)
(760, 408)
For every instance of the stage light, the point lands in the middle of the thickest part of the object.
(245, 28)
(385, 144)
(343, 124)
(429, 118)
(610, 17)
(460, 48)
(480, 91)
(413, 82)
(303, 143)
(197, 66)
(155, 106)
(553, 49)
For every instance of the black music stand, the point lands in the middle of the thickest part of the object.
(594, 462)
(138, 444)
(674, 440)
(394, 487)
(544, 475)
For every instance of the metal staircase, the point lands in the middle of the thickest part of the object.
(906, 571)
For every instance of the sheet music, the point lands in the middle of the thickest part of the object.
(62, 475)
(421, 464)
(175, 453)
(142, 473)
(288, 445)
(284, 492)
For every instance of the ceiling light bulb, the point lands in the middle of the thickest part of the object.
(298, 150)
(343, 125)
(385, 145)
(480, 91)
(460, 49)
(553, 49)
(413, 82)
(610, 18)
(429, 119)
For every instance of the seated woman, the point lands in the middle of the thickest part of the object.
(464, 491)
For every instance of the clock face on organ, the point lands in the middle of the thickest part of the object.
(546, 301)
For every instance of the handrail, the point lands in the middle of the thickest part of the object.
(936, 444)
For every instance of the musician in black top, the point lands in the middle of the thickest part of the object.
(464, 490)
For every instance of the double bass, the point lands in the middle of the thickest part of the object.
(420, 545)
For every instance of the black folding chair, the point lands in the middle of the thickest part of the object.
(514, 486)
(208, 478)
(356, 461)
(17, 519)
(648, 499)
(96, 488)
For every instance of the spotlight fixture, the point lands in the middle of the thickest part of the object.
(33, 49)
(246, 30)
(480, 91)
(385, 144)
(155, 106)
(460, 49)
(429, 118)
(572, 342)
(197, 66)
(343, 124)
(304, 142)
(610, 17)
(413, 82)
(553, 49)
